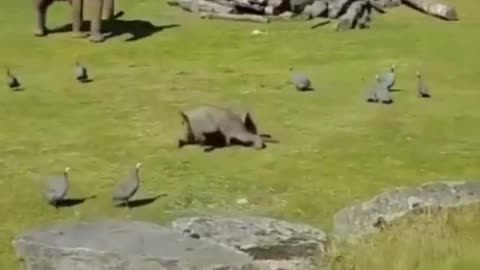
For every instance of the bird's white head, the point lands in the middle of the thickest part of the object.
(377, 77)
(67, 169)
(418, 74)
(138, 165)
(394, 67)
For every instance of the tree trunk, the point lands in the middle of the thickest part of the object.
(435, 9)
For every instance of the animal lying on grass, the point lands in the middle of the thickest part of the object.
(214, 127)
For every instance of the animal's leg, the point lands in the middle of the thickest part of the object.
(96, 21)
(41, 7)
(108, 9)
(77, 18)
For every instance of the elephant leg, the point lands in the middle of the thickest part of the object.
(41, 7)
(108, 10)
(96, 7)
(77, 18)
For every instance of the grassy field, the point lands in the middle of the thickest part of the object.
(334, 149)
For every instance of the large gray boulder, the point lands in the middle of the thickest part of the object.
(117, 245)
(368, 216)
(274, 244)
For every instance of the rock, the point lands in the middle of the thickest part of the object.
(118, 245)
(367, 217)
(274, 244)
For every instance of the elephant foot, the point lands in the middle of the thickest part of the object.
(97, 38)
(79, 34)
(38, 32)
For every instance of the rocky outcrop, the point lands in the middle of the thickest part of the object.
(372, 215)
(273, 244)
(118, 245)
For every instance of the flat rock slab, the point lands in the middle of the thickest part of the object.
(122, 245)
(364, 218)
(274, 244)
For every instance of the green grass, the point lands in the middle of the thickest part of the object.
(334, 147)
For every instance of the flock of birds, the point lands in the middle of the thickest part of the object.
(56, 188)
(379, 92)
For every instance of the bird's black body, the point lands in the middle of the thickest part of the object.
(12, 82)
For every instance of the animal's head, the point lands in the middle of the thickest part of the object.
(258, 142)
(393, 67)
(65, 172)
(418, 74)
(137, 169)
(377, 77)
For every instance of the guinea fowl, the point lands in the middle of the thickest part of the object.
(422, 87)
(56, 188)
(382, 92)
(301, 81)
(12, 81)
(126, 189)
(371, 93)
(81, 73)
(388, 78)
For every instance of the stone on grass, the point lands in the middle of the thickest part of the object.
(273, 244)
(363, 218)
(119, 245)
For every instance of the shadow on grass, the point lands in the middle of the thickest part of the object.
(396, 90)
(86, 81)
(73, 201)
(139, 29)
(140, 202)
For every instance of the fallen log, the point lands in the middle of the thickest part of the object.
(439, 10)
(318, 8)
(387, 3)
(348, 20)
(375, 6)
(202, 6)
(245, 6)
(338, 7)
(277, 6)
(234, 17)
(319, 22)
(297, 6)
(364, 18)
